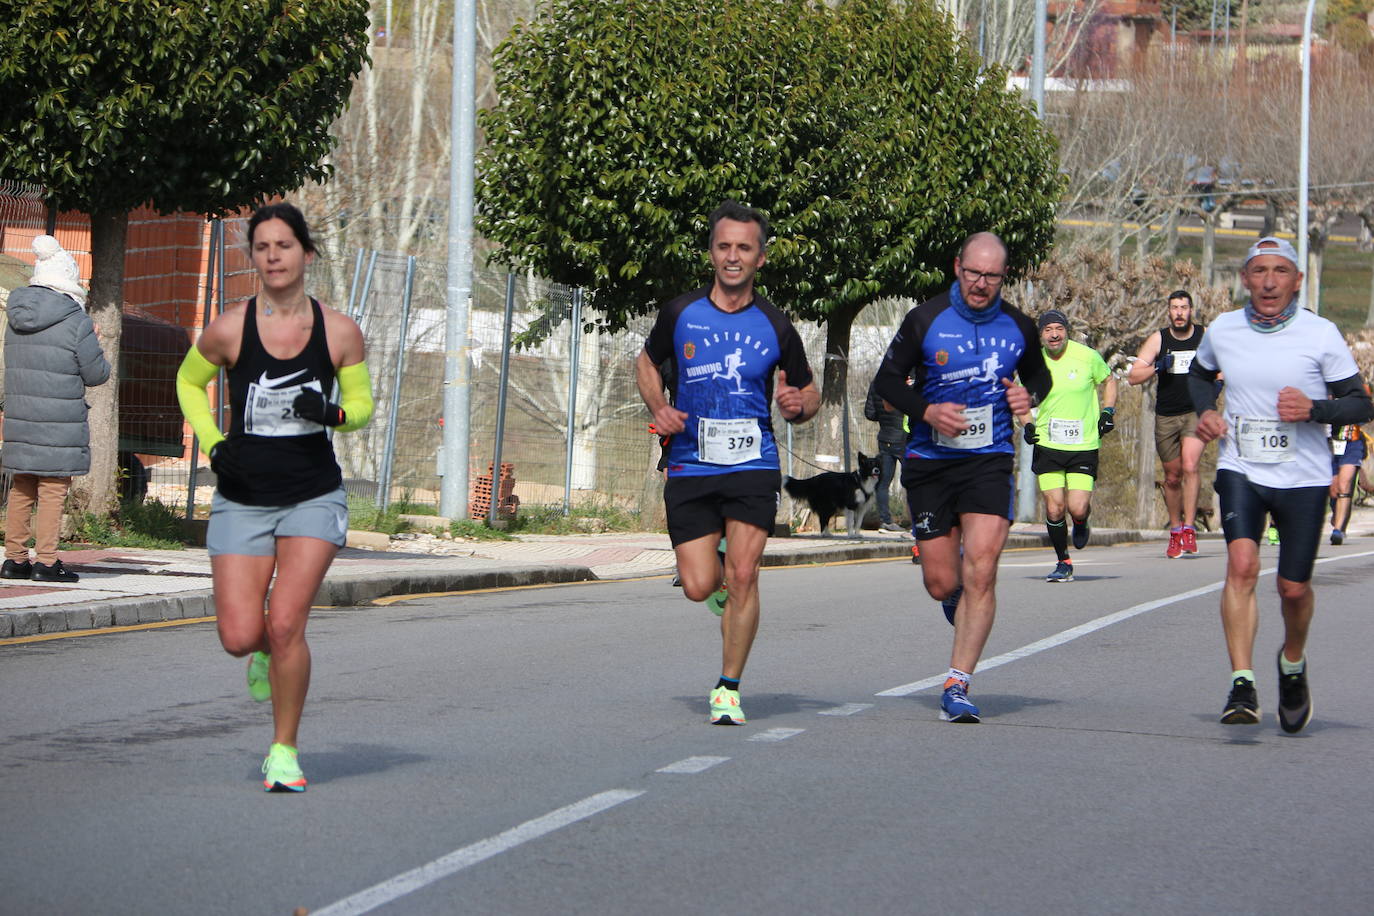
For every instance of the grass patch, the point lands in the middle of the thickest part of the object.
(151, 524)
(365, 515)
(476, 530)
(591, 517)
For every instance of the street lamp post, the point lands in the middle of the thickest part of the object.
(1305, 135)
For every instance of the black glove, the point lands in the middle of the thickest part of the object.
(224, 459)
(313, 406)
(1029, 434)
(1107, 422)
(1165, 363)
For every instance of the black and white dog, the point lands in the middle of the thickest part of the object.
(829, 493)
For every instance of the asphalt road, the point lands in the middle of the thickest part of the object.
(546, 751)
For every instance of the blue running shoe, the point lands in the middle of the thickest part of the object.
(1081, 534)
(955, 707)
(951, 604)
(1063, 572)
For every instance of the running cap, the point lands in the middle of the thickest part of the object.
(1052, 316)
(1271, 245)
(55, 268)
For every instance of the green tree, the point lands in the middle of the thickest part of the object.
(205, 107)
(866, 129)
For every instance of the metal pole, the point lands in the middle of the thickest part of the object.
(216, 228)
(575, 351)
(367, 288)
(389, 453)
(353, 286)
(1303, 146)
(501, 401)
(457, 365)
(1037, 86)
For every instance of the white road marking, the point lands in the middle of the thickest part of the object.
(776, 734)
(692, 765)
(397, 887)
(1058, 639)
(848, 709)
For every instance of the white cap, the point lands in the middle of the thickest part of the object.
(1271, 245)
(56, 269)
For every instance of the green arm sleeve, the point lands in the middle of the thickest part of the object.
(355, 396)
(195, 374)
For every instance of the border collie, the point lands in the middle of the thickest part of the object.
(829, 493)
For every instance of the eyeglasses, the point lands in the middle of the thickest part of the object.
(973, 276)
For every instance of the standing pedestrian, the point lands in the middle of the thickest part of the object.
(962, 349)
(1288, 373)
(279, 505)
(892, 435)
(732, 352)
(52, 355)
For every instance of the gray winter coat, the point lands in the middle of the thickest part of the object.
(51, 357)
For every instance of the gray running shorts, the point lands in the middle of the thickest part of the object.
(252, 530)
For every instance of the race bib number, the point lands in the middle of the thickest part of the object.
(1338, 446)
(1183, 359)
(1266, 441)
(1066, 432)
(269, 411)
(978, 434)
(729, 441)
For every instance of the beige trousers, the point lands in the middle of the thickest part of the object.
(50, 493)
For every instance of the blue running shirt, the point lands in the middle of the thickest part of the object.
(722, 375)
(953, 360)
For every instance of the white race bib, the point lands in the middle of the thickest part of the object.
(1338, 446)
(270, 413)
(1066, 432)
(1183, 359)
(1266, 441)
(978, 434)
(729, 441)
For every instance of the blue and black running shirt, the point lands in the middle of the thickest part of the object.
(952, 360)
(722, 370)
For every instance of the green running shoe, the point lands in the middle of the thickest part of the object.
(1273, 535)
(715, 602)
(725, 707)
(281, 772)
(259, 687)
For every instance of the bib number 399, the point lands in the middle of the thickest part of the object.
(978, 434)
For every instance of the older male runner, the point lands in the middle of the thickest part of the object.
(1288, 374)
(962, 348)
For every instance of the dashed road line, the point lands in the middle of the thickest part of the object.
(848, 709)
(776, 734)
(690, 765)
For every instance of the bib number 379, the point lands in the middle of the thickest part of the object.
(729, 442)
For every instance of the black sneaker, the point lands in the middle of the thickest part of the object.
(1242, 706)
(1295, 701)
(1337, 537)
(16, 570)
(54, 573)
(1080, 535)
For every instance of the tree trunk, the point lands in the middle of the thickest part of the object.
(1147, 498)
(1313, 280)
(834, 382)
(96, 492)
(1209, 244)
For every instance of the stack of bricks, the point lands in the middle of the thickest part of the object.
(479, 502)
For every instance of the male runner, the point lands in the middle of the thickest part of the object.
(1347, 453)
(1288, 372)
(1067, 431)
(962, 348)
(1167, 354)
(724, 343)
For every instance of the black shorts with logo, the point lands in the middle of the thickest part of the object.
(1298, 513)
(698, 506)
(1050, 460)
(939, 490)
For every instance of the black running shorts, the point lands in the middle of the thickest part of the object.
(939, 490)
(1297, 513)
(698, 506)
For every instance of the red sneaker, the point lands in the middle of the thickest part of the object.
(1189, 539)
(1175, 548)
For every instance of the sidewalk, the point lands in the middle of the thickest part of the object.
(123, 587)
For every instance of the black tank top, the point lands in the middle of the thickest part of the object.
(1172, 398)
(292, 459)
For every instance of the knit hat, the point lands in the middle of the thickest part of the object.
(56, 269)
(1053, 316)
(1271, 245)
